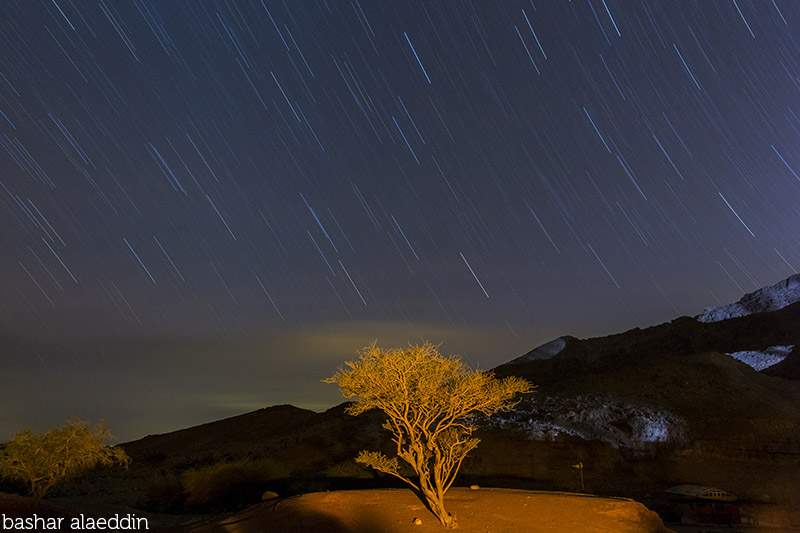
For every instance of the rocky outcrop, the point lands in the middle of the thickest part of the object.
(763, 300)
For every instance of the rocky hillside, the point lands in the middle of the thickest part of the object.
(772, 298)
(727, 386)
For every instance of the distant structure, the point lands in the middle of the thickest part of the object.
(695, 504)
(703, 493)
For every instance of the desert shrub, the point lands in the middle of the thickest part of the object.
(42, 461)
(224, 486)
(348, 469)
(165, 495)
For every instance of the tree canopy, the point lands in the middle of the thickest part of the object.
(430, 401)
(45, 460)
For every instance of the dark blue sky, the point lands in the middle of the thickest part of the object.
(207, 206)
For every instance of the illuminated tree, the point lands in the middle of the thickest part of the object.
(44, 460)
(430, 401)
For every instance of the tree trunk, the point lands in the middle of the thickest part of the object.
(37, 500)
(38, 492)
(437, 507)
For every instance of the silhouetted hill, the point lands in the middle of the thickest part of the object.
(300, 439)
(234, 435)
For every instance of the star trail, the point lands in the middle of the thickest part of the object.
(207, 206)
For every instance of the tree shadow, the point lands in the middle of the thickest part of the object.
(278, 516)
(421, 497)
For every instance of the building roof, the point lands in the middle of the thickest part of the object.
(705, 493)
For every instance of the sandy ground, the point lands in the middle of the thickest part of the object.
(483, 510)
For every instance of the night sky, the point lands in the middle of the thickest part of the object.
(207, 206)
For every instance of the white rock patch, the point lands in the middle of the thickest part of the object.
(761, 360)
(603, 418)
(545, 351)
(763, 300)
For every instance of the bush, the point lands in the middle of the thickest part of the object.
(42, 461)
(165, 495)
(225, 486)
(348, 469)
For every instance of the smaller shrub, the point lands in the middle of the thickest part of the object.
(349, 469)
(223, 486)
(165, 495)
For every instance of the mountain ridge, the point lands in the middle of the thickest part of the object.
(775, 325)
(765, 299)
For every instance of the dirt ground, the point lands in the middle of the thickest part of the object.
(483, 510)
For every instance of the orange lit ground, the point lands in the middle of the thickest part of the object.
(484, 511)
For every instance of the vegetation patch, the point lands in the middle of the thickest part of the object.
(225, 486)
